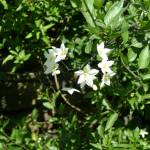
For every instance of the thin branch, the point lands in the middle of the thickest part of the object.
(65, 99)
(72, 106)
(131, 72)
(56, 82)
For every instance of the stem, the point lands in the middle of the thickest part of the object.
(131, 72)
(72, 106)
(65, 99)
(56, 82)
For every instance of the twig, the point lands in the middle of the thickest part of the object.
(56, 82)
(65, 99)
(72, 106)
(131, 72)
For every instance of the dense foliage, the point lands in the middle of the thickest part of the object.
(113, 116)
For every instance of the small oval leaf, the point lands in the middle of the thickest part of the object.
(144, 58)
(112, 119)
(131, 55)
(146, 77)
(114, 11)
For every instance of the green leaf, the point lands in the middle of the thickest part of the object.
(35, 114)
(17, 135)
(48, 105)
(8, 58)
(136, 44)
(125, 33)
(45, 39)
(1, 146)
(106, 104)
(29, 35)
(98, 3)
(75, 3)
(124, 59)
(45, 28)
(4, 3)
(145, 87)
(111, 120)
(125, 36)
(146, 96)
(131, 55)
(146, 77)
(113, 13)
(144, 58)
(147, 3)
(88, 47)
(108, 5)
(12, 147)
(122, 146)
(100, 130)
(88, 11)
(97, 146)
(38, 35)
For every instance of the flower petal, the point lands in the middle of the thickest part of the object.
(81, 79)
(62, 46)
(100, 47)
(110, 63)
(70, 90)
(107, 50)
(89, 81)
(78, 73)
(93, 72)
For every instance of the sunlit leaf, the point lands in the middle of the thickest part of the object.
(131, 55)
(113, 13)
(111, 120)
(8, 58)
(144, 58)
(146, 77)
(89, 11)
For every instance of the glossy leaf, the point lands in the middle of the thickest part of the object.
(113, 13)
(144, 58)
(4, 3)
(8, 58)
(75, 3)
(111, 120)
(146, 77)
(125, 33)
(136, 43)
(131, 55)
(88, 11)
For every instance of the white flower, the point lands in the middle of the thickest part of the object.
(50, 64)
(143, 133)
(106, 79)
(60, 52)
(51, 67)
(86, 76)
(70, 90)
(105, 66)
(102, 51)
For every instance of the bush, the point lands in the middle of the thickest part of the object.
(108, 106)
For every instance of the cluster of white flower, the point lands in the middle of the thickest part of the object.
(54, 56)
(87, 75)
(105, 64)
